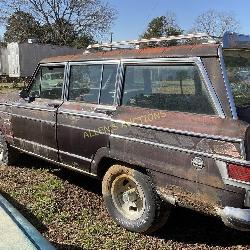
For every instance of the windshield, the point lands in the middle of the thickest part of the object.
(238, 69)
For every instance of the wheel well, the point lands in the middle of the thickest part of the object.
(105, 163)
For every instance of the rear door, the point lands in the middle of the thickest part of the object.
(34, 123)
(170, 109)
(84, 120)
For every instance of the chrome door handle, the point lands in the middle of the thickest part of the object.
(103, 111)
(54, 105)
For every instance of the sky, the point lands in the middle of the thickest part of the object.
(133, 16)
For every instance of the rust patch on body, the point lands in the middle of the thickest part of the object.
(226, 148)
(196, 201)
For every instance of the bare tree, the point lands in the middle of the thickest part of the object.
(87, 16)
(216, 23)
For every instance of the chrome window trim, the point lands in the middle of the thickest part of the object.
(160, 60)
(120, 84)
(66, 83)
(100, 86)
(192, 60)
(117, 83)
(210, 88)
(49, 65)
(101, 62)
(227, 84)
(53, 64)
(33, 77)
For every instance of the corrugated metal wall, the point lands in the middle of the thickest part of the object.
(4, 65)
(22, 59)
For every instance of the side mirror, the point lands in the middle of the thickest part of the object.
(24, 94)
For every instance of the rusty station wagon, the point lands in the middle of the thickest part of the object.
(161, 127)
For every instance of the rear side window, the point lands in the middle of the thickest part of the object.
(166, 87)
(107, 94)
(93, 83)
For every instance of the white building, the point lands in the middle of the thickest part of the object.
(24, 57)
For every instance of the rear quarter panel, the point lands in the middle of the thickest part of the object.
(166, 143)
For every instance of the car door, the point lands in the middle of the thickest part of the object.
(34, 119)
(84, 120)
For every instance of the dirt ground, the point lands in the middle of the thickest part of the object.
(8, 94)
(67, 208)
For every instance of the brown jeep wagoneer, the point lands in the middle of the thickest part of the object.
(161, 127)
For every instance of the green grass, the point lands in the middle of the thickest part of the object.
(44, 205)
(75, 217)
(10, 87)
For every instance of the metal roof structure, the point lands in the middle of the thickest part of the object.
(201, 45)
(202, 37)
(180, 51)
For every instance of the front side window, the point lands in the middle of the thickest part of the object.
(93, 83)
(48, 82)
(166, 87)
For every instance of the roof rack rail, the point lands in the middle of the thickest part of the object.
(115, 45)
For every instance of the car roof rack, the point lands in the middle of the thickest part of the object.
(203, 37)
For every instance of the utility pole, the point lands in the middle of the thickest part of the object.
(111, 39)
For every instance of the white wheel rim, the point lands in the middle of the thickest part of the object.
(128, 197)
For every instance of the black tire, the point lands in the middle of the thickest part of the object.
(154, 213)
(8, 155)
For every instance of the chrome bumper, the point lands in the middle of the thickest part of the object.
(236, 218)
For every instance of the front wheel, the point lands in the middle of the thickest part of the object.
(132, 201)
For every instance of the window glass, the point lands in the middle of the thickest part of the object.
(108, 84)
(165, 87)
(48, 82)
(84, 83)
(238, 69)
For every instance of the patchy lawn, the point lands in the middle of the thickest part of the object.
(67, 208)
(9, 93)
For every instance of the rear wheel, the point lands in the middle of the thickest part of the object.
(132, 201)
(8, 155)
